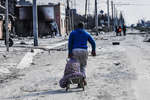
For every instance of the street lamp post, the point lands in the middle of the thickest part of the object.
(6, 26)
(96, 17)
(115, 16)
(108, 15)
(112, 9)
(35, 23)
(72, 16)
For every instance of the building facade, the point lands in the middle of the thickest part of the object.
(60, 17)
(12, 11)
(46, 15)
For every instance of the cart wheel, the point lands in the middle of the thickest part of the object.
(83, 85)
(67, 87)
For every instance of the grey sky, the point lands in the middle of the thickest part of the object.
(132, 13)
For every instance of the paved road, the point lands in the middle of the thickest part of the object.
(138, 55)
(119, 72)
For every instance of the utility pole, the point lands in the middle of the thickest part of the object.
(6, 26)
(108, 15)
(114, 15)
(35, 23)
(67, 17)
(96, 17)
(86, 9)
(88, 12)
(86, 20)
(112, 10)
(72, 17)
(88, 6)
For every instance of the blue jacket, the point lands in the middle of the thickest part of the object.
(78, 39)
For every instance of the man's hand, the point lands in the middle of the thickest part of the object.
(70, 55)
(93, 53)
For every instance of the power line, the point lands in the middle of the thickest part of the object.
(134, 4)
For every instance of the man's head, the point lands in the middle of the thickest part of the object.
(80, 25)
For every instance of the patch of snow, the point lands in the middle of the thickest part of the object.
(4, 71)
(27, 59)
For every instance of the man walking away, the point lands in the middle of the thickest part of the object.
(124, 30)
(78, 46)
(116, 30)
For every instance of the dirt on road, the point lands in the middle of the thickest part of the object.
(118, 72)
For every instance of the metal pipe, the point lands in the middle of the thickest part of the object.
(35, 23)
(6, 26)
(86, 9)
(72, 17)
(96, 17)
(108, 15)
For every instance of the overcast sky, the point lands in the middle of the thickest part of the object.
(132, 13)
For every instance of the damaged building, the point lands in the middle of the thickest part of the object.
(12, 11)
(47, 15)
